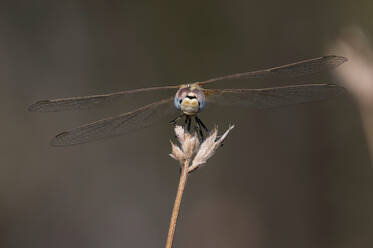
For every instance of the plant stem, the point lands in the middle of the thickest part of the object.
(179, 196)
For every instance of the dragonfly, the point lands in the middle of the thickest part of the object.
(191, 98)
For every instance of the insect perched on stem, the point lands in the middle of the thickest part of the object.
(190, 99)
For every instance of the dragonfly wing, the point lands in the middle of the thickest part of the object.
(117, 125)
(86, 102)
(273, 97)
(304, 67)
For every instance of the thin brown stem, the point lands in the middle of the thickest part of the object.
(179, 196)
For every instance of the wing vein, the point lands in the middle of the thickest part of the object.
(117, 125)
(300, 68)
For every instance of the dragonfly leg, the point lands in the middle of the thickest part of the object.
(189, 123)
(198, 120)
(200, 124)
(186, 121)
(200, 131)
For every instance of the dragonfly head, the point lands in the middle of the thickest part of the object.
(190, 99)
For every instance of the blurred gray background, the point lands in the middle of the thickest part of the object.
(298, 176)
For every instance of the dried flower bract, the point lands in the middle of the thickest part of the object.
(190, 149)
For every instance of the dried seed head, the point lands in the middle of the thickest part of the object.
(190, 145)
(208, 148)
(180, 134)
(177, 153)
(191, 149)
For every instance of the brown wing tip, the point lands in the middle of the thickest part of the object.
(56, 141)
(339, 90)
(335, 59)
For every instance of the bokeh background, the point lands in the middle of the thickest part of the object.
(299, 176)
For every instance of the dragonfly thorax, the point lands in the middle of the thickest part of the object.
(190, 99)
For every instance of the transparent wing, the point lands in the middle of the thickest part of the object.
(273, 97)
(117, 125)
(85, 102)
(295, 69)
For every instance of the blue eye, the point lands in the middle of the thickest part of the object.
(177, 103)
(201, 104)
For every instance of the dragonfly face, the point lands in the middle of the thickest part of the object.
(190, 99)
